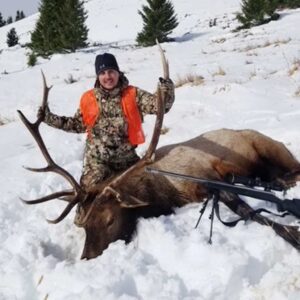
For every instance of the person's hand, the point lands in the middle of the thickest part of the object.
(41, 113)
(165, 85)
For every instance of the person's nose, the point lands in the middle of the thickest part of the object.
(107, 75)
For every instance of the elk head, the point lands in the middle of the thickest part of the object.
(104, 211)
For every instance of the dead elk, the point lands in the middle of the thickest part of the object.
(110, 210)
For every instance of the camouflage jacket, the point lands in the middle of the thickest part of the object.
(109, 142)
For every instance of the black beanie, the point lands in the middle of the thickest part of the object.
(104, 62)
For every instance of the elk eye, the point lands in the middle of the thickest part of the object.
(109, 221)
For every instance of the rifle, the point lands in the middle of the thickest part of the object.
(247, 187)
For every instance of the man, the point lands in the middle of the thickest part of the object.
(111, 113)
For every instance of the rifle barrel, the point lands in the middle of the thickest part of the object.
(219, 185)
(292, 206)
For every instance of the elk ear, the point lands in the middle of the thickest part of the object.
(132, 202)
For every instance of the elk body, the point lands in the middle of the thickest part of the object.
(109, 211)
(212, 155)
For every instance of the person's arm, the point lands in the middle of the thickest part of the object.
(70, 124)
(147, 101)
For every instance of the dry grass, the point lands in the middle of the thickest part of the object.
(252, 74)
(265, 44)
(164, 130)
(295, 67)
(4, 121)
(220, 72)
(219, 40)
(251, 54)
(297, 92)
(280, 42)
(191, 79)
(40, 280)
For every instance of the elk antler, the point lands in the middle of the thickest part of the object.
(149, 155)
(164, 61)
(72, 196)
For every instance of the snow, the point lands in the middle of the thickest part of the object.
(251, 80)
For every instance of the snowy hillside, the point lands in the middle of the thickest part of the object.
(251, 80)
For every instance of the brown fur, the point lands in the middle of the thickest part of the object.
(211, 156)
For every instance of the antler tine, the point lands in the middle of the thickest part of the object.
(46, 90)
(53, 196)
(65, 212)
(147, 158)
(165, 63)
(158, 124)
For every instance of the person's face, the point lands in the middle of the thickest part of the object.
(109, 79)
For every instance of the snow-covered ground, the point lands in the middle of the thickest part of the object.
(251, 80)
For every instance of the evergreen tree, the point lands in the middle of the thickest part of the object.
(270, 7)
(9, 20)
(12, 38)
(17, 18)
(44, 39)
(159, 20)
(22, 15)
(32, 59)
(72, 30)
(257, 12)
(2, 22)
(60, 27)
(19, 15)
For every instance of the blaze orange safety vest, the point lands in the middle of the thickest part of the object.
(90, 111)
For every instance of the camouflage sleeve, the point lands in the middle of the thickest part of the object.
(147, 101)
(70, 124)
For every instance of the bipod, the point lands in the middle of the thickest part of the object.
(215, 198)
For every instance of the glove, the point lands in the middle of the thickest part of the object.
(41, 113)
(164, 81)
(166, 85)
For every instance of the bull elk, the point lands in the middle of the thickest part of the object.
(109, 210)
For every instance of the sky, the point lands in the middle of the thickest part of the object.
(9, 7)
(251, 80)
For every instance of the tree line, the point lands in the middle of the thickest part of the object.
(61, 25)
(19, 15)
